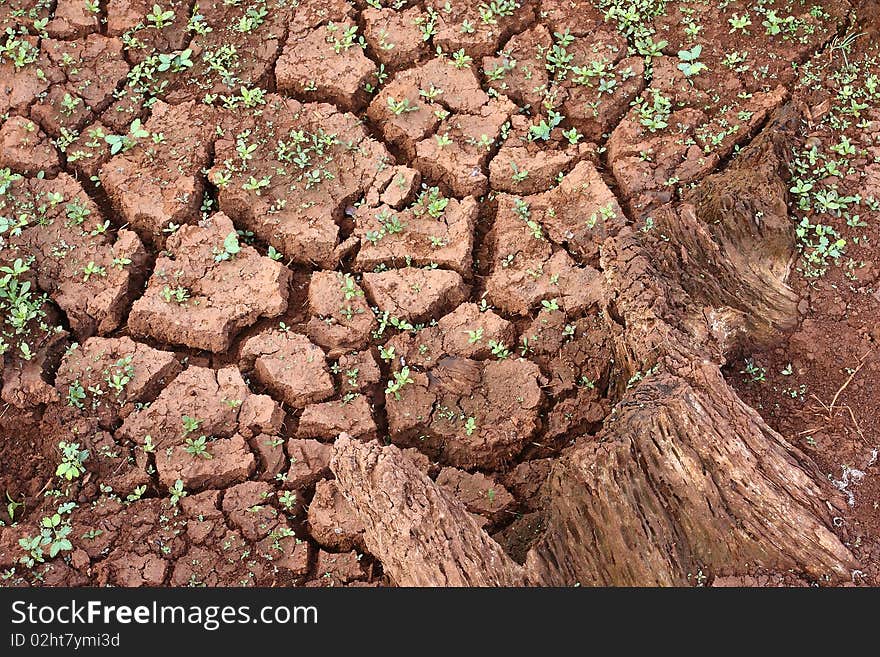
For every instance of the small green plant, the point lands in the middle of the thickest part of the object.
(12, 506)
(431, 94)
(443, 140)
(198, 447)
(460, 59)
(498, 349)
(432, 202)
(350, 288)
(484, 142)
(386, 353)
(470, 425)
(178, 294)
(177, 492)
(519, 175)
(72, 461)
(159, 18)
(819, 244)
(252, 19)
(136, 494)
(755, 372)
(543, 129)
(739, 23)
(119, 143)
(391, 223)
(69, 104)
(190, 424)
(75, 394)
(401, 378)
(427, 24)
(490, 11)
(287, 500)
(401, 106)
(253, 184)
(690, 65)
(76, 213)
(92, 269)
(120, 374)
(19, 51)
(230, 249)
(343, 39)
(175, 63)
(558, 58)
(253, 97)
(648, 48)
(500, 71)
(605, 213)
(586, 382)
(774, 24)
(572, 135)
(244, 150)
(121, 262)
(844, 147)
(654, 111)
(53, 534)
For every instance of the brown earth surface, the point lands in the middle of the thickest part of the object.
(353, 293)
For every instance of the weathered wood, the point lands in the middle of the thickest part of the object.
(422, 535)
(685, 479)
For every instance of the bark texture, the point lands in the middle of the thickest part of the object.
(685, 478)
(422, 535)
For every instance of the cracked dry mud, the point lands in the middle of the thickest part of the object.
(419, 293)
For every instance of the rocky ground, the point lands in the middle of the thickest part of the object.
(380, 292)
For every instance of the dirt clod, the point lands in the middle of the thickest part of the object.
(202, 293)
(289, 365)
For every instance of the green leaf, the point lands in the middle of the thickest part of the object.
(230, 244)
(690, 55)
(58, 546)
(137, 131)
